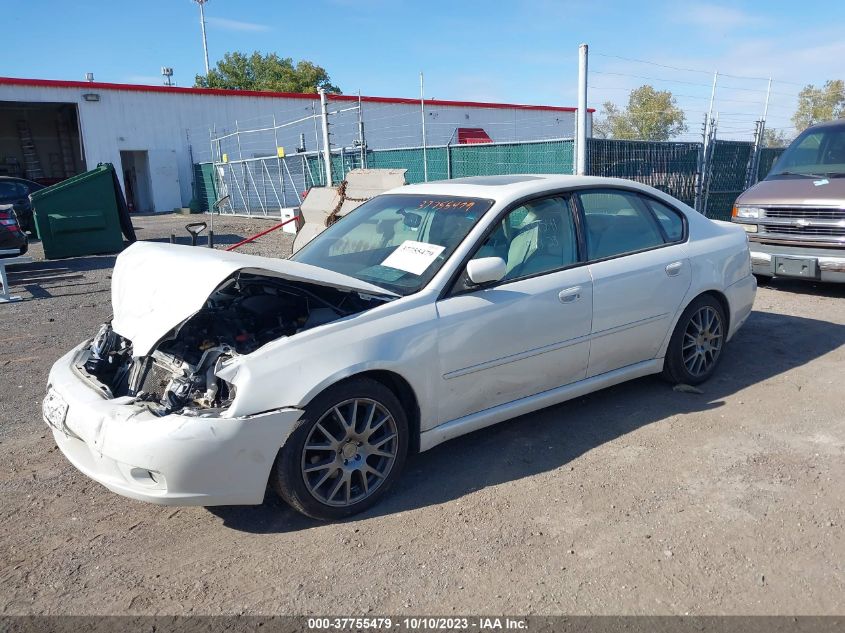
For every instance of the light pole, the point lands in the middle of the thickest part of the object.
(202, 26)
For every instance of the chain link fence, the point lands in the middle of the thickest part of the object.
(264, 185)
(667, 166)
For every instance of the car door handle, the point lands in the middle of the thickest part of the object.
(570, 295)
(674, 268)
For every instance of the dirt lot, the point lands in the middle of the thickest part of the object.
(638, 499)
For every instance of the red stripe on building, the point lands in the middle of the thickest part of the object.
(98, 85)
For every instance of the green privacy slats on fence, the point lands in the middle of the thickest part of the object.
(412, 160)
(726, 177)
(456, 161)
(547, 157)
(205, 188)
(670, 167)
(768, 156)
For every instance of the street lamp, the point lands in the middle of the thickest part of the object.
(202, 26)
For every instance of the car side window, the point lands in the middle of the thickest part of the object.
(617, 222)
(670, 221)
(534, 238)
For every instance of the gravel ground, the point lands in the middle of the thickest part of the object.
(635, 500)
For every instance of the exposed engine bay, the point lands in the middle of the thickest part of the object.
(244, 313)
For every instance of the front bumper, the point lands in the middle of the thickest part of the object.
(169, 460)
(829, 266)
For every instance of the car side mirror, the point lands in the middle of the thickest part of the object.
(486, 269)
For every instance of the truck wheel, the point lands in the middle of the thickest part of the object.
(696, 345)
(345, 454)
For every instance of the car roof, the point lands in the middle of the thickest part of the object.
(19, 179)
(515, 186)
(826, 124)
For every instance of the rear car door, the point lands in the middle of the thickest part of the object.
(640, 271)
(528, 332)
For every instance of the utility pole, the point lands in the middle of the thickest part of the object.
(422, 114)
(202, 26)
(766, 106)
(327, 153)
(710, 109)
(581, 123)
(759, 133)
(361, 142)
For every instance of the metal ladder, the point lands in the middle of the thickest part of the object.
(65, 146)
(31, 162)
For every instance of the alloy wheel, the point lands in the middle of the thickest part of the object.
(702, 342)
(349, 452)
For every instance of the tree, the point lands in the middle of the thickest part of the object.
(773, 137)
(651, 115)
(237, 71)
(820, 104)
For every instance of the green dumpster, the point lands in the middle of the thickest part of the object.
(80, 215)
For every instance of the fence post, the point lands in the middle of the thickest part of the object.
(708, 163)
(699, 183)
(422, 114)
(327, 156)
(581, 129)
(361, 141)
(753, 160)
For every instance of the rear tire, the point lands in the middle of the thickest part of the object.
(695, 348)
(345, 454)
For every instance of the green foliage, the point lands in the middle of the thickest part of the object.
(816, 105)
(237, 71)
(651, 115)
(775, 138)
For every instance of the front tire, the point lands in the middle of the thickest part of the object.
(346, 453)
(696, 345)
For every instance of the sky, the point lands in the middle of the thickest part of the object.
(516, 51)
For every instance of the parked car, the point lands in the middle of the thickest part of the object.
(13, 240)
(795, 218)
(15, 191)
(430, 311)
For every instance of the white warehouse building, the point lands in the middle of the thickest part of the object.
(50, 130)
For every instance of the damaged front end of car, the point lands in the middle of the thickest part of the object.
(181, 373)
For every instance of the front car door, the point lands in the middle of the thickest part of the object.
(640, 272)
(527, 333)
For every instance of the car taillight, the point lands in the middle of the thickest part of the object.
(8, 220)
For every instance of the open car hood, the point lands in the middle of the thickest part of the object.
(155, 287)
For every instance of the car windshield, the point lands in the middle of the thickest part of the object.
(815, 154)
(396, 241)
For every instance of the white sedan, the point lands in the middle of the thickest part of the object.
(430, 311)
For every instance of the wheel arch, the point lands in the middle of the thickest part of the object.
(723, 301)
(401, 388)
(713, 292)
